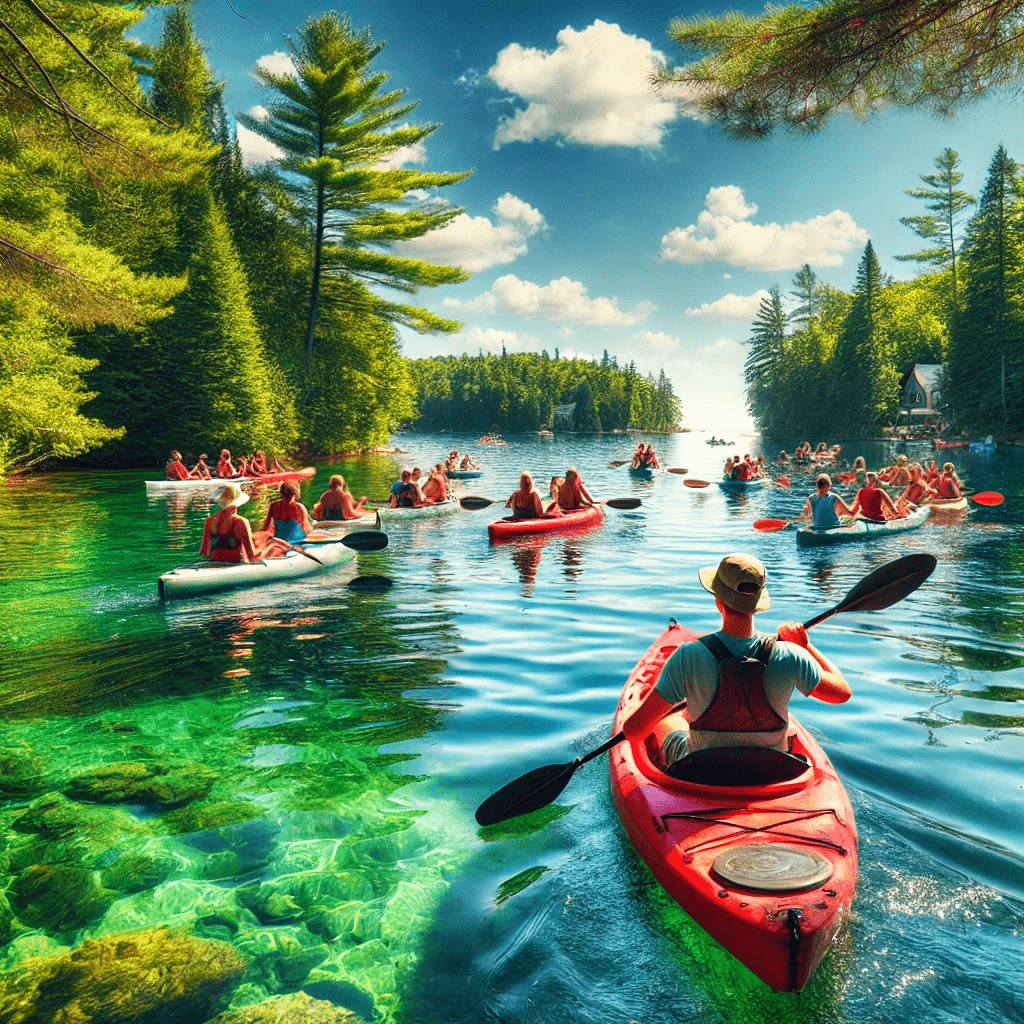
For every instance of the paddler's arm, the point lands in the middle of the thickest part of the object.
(653, 708)
(832, 688)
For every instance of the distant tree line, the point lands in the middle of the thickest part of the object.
(832, 362)
(518, 392)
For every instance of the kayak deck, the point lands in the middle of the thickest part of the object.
(780, 922)
(509, 527)
(860, 529)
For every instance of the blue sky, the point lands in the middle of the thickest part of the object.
(602, 215)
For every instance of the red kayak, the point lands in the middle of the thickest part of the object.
(766, 867)
(507, 528)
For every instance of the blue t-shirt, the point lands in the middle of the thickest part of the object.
(691, 674)
(823, 511)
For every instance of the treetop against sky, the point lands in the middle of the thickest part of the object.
(603, 213)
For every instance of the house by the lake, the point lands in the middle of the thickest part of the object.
(920, 399)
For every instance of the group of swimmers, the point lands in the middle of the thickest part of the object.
(406, 491)
(746, 468)
(565, 494)
(228, 537)
(452, 462)
(255, 466)
(644, 457)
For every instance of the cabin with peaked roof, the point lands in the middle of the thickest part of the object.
(920, 398)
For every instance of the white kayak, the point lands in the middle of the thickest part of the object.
(201, 578)
(368, 521)
(161, 486)
(860, 529)
(397, 515)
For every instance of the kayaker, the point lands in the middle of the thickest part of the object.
(277, 466)
(414, 480)
(287, 516)
(638, 456)
(201, 471)
(872, 502)
(435, 490)
(452, 462)
(947, 485)
(916, 492)
(650, 459)
(736, 682)
(227, 536)
(556, 482)
(258, 464)
(525, 502)
(337, 503)
(225, 468)
(467, 462)
(823, 507)
(397, 487)
(572, 493)
(175, 468)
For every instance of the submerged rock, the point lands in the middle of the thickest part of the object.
(59, 897)
(205, 817)
(168, 785)
(298, 1008)
(161, 976)
(21, 774)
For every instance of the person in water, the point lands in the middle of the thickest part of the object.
(872, 502)
(823, 507)
(337, 503)
(227, 536)
(525, 502)
(572, 493)
(175, 468)
(287, 516)
(720, 710)
(225, 468)
(201, 471)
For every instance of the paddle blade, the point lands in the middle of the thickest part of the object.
(783, 481)
(528, 793)
(696, 483)
(622, 503)
(472, 502)
(370, 583)
(884, 587)
(678, 470)
(770, 525)
(615, 465)
(365, 540)
(988, 498)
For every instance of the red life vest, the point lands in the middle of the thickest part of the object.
(741, 704)
(871, 502)
(946, 485)
(176, 471)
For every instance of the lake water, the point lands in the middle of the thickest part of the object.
(322, 749)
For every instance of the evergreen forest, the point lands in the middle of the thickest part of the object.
(825, 362)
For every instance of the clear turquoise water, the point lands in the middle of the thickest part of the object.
(351, 735)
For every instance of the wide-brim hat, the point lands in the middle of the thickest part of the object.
(739, 582)
(230, 496)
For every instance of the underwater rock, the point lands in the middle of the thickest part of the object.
(298, 1008)
(162, 976)
(21, 775)
(9, 924)
(26, 946)
(178, 903)
(205, 817)
(169, 785)
(59, 897)
(281, 958)
(135, 873)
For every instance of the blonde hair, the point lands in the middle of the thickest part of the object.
(337, 481)
(524, 476)
(823, 481)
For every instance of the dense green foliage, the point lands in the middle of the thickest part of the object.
(835, 363)
(519, 392)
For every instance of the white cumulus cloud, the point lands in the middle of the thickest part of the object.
(476, 243)
(731, 305)
(592, 89)
(414, 154)
(277, 63)
(657, 341)
(491, 340)
(255, 149)
(560, 300)
(725, 232)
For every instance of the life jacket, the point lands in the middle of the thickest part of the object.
(407, 496)
(176, 471)
(741, 704)
(871, 503)
(225, 547)
(915, 491)
(331, 513)
(287, 516)
(945, 485)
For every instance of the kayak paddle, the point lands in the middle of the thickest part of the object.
(370, 583)
(774, 525)
(538, 788)
(473, 502)
(696, 483)
(987, 498)
(783, 481)
(678, 470)
(365, 540)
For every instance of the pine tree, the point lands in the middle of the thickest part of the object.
(805, 290)
(985, 369)
(184, 93)
(335, 127)
(941, 226)
(767, 348)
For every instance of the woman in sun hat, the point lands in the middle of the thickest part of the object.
(227, 536)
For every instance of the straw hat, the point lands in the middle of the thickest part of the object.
(230, 496)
